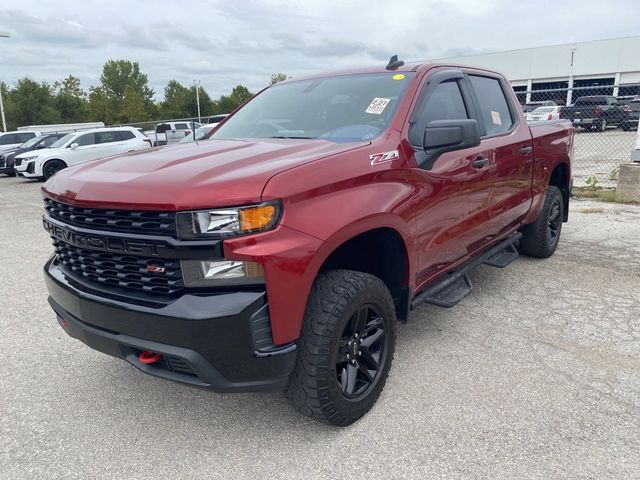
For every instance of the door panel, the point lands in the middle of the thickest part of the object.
(452, 202)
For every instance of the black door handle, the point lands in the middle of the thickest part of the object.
(526, 150)
(480, 162)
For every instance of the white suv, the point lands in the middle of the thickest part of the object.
(77, 148)
(11, 140)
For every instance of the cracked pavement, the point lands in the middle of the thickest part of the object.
(535, 375)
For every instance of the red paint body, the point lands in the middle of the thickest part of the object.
(331, 192)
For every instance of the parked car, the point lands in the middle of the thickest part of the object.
(631, 113)
(595, 112)
(12, 140)
(542, 114)
(217, 118)
(75, 148)
(169, 132)
(200, 133)
(282, 254)
(36, 143)
(627, 99)
(531, 106)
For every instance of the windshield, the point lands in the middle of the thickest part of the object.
(61, 143)
(341, 109)
(31, 142)
(200, 133)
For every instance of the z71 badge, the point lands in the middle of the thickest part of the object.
(378, 158)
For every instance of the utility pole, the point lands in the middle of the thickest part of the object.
(4, 121)
(197, 85)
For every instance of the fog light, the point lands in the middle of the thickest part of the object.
(211, 273)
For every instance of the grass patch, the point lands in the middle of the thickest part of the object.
(604, 195)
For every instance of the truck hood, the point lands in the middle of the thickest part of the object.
(212, 173)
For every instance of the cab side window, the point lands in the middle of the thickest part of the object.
(494, 107)
(445, 103)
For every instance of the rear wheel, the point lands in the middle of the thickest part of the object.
(345, 348)
(51, 168)
(540, 238)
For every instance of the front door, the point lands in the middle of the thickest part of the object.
(452, 204)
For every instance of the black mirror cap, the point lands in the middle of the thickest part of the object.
(442, 136)
(446, 135)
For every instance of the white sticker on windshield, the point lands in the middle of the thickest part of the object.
(378, 105)
(495, 116)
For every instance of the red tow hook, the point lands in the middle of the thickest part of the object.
(148, 357)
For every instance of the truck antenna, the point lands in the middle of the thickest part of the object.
(394, 63)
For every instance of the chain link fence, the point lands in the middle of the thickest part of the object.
(606, 122)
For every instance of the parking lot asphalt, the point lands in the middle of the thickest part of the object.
(535, 375)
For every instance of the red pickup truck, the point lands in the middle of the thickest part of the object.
(282, 252)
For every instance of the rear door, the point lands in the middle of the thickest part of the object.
(507, 141)
(452, 207)
(108, 143)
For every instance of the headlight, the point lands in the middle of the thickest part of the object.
(228, 222)
(26, 159)
(211, 273)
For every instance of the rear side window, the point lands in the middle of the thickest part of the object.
(107, 137)
(494, 107)
(23, 137)
(182, 126)
(125, 135)
(445, 103)
(8, 139)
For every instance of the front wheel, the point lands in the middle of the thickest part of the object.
(540, 238)
(51, 168)
(345, 349)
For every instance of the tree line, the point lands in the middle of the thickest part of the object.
(123, 96)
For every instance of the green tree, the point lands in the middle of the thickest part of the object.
(100, 107)
(133, 106)
(206, 104)
(31, 103)
(176, 101)
(278, 77)
(117, 75)
(228, 103)
(70, 100)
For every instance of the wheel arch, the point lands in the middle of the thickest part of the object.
(380, 251)
(561, 177)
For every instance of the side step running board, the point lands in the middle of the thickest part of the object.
(456, 285)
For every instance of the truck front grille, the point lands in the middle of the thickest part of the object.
(122, 271)
(145, 223)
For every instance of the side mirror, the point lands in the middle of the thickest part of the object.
(442, 136)
(73, 146)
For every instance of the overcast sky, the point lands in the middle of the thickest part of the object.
(244, 41)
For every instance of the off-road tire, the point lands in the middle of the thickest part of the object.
(314, 388)
(52, 167)
(537, 240)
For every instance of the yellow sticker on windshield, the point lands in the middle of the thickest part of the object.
(398, 76)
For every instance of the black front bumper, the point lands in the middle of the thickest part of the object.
(220, 342)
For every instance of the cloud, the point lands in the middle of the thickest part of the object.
(225, 43)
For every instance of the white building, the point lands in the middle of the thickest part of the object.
(612, 64)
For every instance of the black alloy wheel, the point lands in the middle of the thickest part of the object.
(361, 352)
